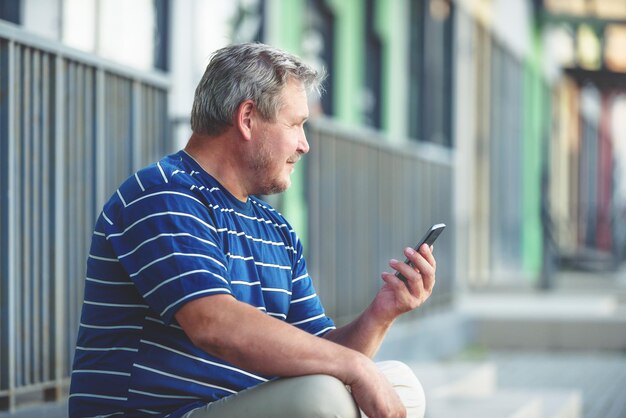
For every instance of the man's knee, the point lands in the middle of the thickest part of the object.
(407, 386)
(320, 396)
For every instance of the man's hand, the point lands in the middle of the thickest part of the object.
(366, 333)
(374, 394)
(396, 297)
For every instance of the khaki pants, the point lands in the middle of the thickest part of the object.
(312, 396)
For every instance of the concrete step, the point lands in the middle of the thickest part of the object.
(547, 322)
(551, 334)
(507, 404)
(498, 405)
(469, 390)
(456, 379)
(561, 404)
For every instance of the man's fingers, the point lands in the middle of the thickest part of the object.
(414, 278)
(424, 262)
(427, 253)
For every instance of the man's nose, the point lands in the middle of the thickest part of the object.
(303, 144)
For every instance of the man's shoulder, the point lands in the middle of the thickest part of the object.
(168, 176)
(170, 171)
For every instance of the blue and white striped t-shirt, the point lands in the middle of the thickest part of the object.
(171, 234)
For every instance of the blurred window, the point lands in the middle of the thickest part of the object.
(431, 61)
(373, 69)
(161, 34)
(588, 163)
(120, 30)
(505, 163)
(615, 45)
(10, 11)
(318, 47)
(249, 24)
(133, 32)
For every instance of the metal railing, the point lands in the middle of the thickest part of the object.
(72, 126)
(368, 199)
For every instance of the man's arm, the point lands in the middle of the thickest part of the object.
(244, 336)
(366, 333)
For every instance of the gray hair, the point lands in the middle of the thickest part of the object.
(249, 71)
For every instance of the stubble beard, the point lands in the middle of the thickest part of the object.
(268, 181)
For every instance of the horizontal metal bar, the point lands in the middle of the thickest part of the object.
(18, 35)
(62, 384)
(371, 138)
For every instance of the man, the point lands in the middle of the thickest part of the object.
(197, 294)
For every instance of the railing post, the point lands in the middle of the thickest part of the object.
(11, 225)
(4, 207)
(137, 139)
(60, 271)
(100, 140)
(4, 244)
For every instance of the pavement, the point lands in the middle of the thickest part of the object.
(600, 377)
(47, 410)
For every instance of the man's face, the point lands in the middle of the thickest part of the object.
(281, 143)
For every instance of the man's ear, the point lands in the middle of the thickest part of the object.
(244, 118)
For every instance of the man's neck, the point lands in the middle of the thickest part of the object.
(215, 156)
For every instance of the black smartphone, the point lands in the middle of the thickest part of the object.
(429, 238)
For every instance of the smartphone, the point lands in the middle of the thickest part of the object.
(429, 238)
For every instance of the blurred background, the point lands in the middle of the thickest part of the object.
(504, 119)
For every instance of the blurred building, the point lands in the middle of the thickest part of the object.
(500, 118)
(584, 148)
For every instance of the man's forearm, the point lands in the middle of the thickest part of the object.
(365, 334)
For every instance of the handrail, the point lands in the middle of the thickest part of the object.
(15, 33)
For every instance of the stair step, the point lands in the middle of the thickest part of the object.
(456, 379)
(608, 334)
(504, 404)
(562, 404)
(547, 322)
(469, 390)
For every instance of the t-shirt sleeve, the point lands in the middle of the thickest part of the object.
(168, 243)
(305, 310)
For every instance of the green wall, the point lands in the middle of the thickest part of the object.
(535, 111)
(392, 21)
(349, 59)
